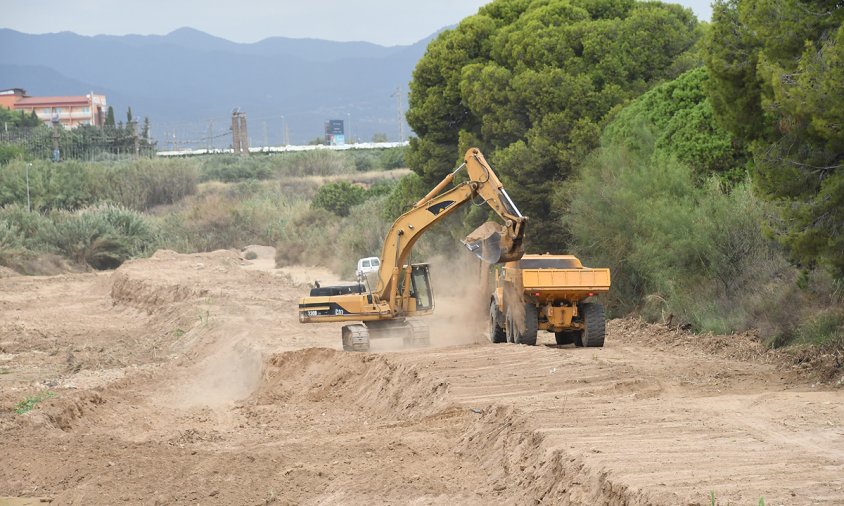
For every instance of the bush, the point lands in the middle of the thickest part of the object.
(406, 192)
(338, 197)
(232, 168)
(231, 217)
(309, 239)
(9, 152)
(136, 184)
(675, 248)
(11, 237)
(102, 237)
(319, 162)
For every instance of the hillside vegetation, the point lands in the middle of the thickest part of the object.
(319, 207)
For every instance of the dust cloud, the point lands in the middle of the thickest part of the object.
(461, 289)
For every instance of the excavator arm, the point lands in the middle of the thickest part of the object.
(492, 243)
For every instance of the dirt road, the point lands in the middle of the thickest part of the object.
(188, 379)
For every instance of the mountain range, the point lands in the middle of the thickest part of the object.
(188, 82)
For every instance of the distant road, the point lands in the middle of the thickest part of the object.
(282, 149)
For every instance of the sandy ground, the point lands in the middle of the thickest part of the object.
(187, 379)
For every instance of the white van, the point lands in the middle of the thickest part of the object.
(367, 265)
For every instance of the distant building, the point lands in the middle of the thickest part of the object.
(10, 96)
(70, 112)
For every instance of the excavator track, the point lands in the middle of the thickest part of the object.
(355, 338)
(418, 334)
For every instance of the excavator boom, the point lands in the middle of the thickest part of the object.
(491, 242)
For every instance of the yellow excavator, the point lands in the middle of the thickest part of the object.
(403, 290)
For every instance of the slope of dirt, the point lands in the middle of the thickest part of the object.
(188, 379)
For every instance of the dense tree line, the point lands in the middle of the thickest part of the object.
(778, 86)
(694, 160)
(26, 136)
(531, 83)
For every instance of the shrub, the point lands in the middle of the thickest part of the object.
(231, 168)
(404, 194)
(675, 248)
(10, 236)
(231, 217)
(9, 152)
(136, 184)
(309, 239)
(102, 237)
(392, 158)
(338, 197)
(319, 162)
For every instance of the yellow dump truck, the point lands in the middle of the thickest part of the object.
(548, 292)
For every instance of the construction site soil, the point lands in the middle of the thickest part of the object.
(188, 379)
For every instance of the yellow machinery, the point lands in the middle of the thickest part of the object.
(404, 290)
(548, 292)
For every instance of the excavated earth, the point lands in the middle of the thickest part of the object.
(183, 379)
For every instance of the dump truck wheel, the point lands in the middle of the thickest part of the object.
(566, 336)
(594, 325)
(527, 333)
(497, 334)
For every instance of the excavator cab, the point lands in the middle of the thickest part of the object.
(420, 290)
(421, 287)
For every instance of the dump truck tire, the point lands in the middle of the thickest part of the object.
(497, 334)
(525, 333)
(594, 325)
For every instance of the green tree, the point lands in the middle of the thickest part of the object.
(338, 197)
(31, 120)
(680, 115)
(129, 115)
(531, 84)
(778, 84)
(109, 121)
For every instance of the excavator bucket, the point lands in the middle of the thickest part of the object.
(495, 244)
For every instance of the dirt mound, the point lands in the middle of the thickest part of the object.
(819, 364)
(147, 296)
(371, 382)
(64, 412)
(520, 468)
(168, 277)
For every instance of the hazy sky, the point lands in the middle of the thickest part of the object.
(386, 22)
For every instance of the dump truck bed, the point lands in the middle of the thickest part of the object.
(564, 283)
(557, 277)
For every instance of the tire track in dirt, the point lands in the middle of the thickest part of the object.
(224, 398)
